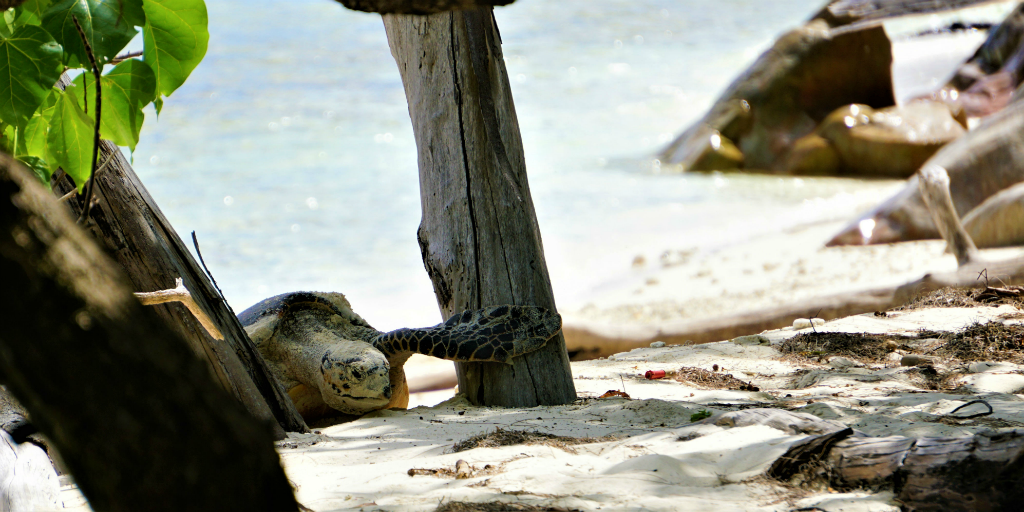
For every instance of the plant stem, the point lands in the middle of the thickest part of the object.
(84, 218)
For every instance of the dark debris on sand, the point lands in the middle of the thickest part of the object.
(863, 347)
(710, 380)
(502, 437)
(497, 506)
(954, 297)
(991, 341)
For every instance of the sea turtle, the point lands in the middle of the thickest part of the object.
(330, 360)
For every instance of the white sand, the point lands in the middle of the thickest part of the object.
(767, 272)
(661, 460)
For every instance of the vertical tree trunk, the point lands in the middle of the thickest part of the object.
(133, 413)
(479, 236)
(128, 222)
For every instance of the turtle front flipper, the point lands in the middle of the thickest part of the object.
(496, 334)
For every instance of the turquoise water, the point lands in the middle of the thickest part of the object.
(290, 151)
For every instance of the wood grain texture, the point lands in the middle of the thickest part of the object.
(133, 413)
(982, 472)
(127, 221)
(418, 6)
(479, 237)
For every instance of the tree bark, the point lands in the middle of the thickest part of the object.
(126, 220)
(133, 413)
(973, 473)
(479, 236)
(418, 6)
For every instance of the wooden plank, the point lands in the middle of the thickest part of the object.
(862, 461)
(479, 237)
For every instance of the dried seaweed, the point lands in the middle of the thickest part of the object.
(710, 379)
(497, 506)
(502, 437)
(990, 341)
(864, 347)
(963, 297)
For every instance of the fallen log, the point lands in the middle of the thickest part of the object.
(979, 472)
(134, 414)
(126, 220)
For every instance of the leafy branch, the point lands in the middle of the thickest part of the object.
(84, 218)
(47, 127)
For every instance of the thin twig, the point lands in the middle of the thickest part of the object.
(125, 56)
(195, 243)
(84, 218)
(180, 294)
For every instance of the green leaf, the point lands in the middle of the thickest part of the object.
(102, 21)
(35, 131)
(7, 24)
(174, 39)
(39, 167)
(132, 11)
(31, 12)
(7, 136)
(126, 89)
(70, 138)
(136, 80)
(29, 66)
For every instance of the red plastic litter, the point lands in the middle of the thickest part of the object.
(655, 374)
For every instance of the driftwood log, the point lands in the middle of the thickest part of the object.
(479, 236)
(418, 6)
(983, 472)
(133, 413)
(127, 221)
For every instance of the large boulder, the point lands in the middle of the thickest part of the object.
(892, 142)
(808, 73)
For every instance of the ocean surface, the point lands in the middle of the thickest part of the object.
(290, 152)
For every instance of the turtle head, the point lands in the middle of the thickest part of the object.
(355, 377)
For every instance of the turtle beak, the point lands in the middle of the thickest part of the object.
(355, 378)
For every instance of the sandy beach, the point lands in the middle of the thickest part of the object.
(701, 438)
(674, 444)
(705, 432)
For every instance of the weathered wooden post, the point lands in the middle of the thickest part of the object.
(479, 236)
